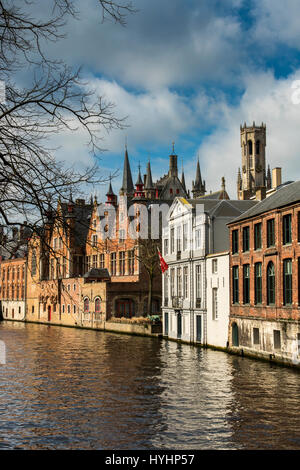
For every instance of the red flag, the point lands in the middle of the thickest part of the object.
(163, 265)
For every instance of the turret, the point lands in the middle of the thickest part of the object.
(198, 188)
(127, 188)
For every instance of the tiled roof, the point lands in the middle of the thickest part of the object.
(285, 195)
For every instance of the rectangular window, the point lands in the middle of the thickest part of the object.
(215, 303)
(131, 262)
(255, 335)
(185, 282)
(122, 263)
(235, 241)
(270, 232)
(246, 284)
(102, 261)
(246, 239)
(277, 339)
(95, 261)
(214, 266)
(113, 264)
(287, 229)
(198, 286)
(179, 239)
(172, 241)
(172, 282)
(179, 282)
(198, 239)
(257, 236)
(185, 240)
(166, 289)
(166, 246)
(258, 283)
(235, 284)
(94, 240)
(287, 282)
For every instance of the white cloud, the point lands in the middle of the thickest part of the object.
(267, 100)
(277, 21)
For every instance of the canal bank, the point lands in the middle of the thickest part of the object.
(155, 331)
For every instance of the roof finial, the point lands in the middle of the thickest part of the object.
(125, 142)
(173, 144)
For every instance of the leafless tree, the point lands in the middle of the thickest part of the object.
(148, 256)
(52, 98)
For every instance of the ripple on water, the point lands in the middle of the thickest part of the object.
(68, 388)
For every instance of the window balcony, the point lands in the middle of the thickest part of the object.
(177, 302)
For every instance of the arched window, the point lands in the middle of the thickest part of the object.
(33, 263)
(257, 147)
(270, 284)
(250, 147)
(86, 305)
(97, 305)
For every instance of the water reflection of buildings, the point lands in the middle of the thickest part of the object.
(265, 409)
(68, 388)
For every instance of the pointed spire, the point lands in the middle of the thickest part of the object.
(183, 178)
(139, 180)
(149, 182)
(127, 186)
(198, 180)
(198, 185)
(110, 189)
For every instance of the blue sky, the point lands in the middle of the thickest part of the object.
(191, 71)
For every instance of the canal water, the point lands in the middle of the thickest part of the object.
(64, 388)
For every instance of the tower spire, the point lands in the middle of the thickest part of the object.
(182, 177)
(127, 185)
(149, 181)
(198, 187)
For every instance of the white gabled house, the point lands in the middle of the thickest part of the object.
(197, 228)
(218, 299)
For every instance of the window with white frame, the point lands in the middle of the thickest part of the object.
(166, 286)
(215, 303)
(185, 282)
(166, 246)
(178, 238)
(198, 239)
(172, 282)
(179, 282)
(94, 240)
(214, 266)
(172, 241)
(198, 285)
(185, 239)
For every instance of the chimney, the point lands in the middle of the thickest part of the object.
(260, 193)
(276, 177)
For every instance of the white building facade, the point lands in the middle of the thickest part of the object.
(197, 228)
(218, 299)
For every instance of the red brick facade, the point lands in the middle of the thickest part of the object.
(266, 314)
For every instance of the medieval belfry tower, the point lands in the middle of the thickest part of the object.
(253, 181)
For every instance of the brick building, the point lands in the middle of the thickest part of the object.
(13, 288)
(265, 276)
